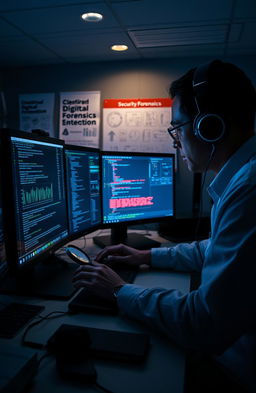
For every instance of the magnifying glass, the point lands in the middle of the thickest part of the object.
(78, 255)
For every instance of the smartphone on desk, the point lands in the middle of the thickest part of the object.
(78, 255)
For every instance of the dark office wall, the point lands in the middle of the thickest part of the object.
(127, 79)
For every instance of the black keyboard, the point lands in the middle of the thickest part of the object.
(15, 316)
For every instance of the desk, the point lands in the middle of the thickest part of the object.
(163, 370)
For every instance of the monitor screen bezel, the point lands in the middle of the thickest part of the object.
(144, 220)
(95, 227)
(9, 202)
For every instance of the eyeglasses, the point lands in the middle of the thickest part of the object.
(174, 134)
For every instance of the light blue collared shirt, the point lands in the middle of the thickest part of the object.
(220, 316)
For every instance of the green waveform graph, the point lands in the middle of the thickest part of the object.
(37, 194)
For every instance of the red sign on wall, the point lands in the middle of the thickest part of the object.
(137, 125)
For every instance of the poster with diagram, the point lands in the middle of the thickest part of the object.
(80, 118)
(36, 112)
(137, 125)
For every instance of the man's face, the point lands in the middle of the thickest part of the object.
(194, 152)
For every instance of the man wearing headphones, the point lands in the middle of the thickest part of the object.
(213, 127)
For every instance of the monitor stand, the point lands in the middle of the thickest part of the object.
(50, 279)
(119, 234)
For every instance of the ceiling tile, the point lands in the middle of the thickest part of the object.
(14, 5)
(245, 9)
(96, 44)
(60, 19)
(148, 12)
(27, 53)
(247, 42)
(41, 31)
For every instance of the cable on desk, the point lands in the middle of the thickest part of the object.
(42, 318)
(45, 355)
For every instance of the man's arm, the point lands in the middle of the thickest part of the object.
(186, 257)
(224, 306)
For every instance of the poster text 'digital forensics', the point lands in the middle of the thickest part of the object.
(80, 118)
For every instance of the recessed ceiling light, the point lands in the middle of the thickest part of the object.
(119, 47)
(92, 17)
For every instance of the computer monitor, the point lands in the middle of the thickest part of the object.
(37, 225)
(83, 189)
(136, 188)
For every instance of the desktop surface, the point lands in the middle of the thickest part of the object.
(162, 370)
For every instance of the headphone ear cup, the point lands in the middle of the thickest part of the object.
(209, 127)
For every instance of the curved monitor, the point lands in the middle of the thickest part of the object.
(136, 188)
(35, 199)
(83, 189)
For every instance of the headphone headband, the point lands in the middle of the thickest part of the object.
(208, 127)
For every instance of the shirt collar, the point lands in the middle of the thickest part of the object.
(231, 167)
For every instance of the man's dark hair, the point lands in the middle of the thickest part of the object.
(230, 94)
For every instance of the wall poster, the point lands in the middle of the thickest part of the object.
(36, 112)
(137, 125)
(80, 118)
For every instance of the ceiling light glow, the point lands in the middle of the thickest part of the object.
(119, 48)
(92, 17)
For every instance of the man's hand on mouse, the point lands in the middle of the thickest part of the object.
(99, 278)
